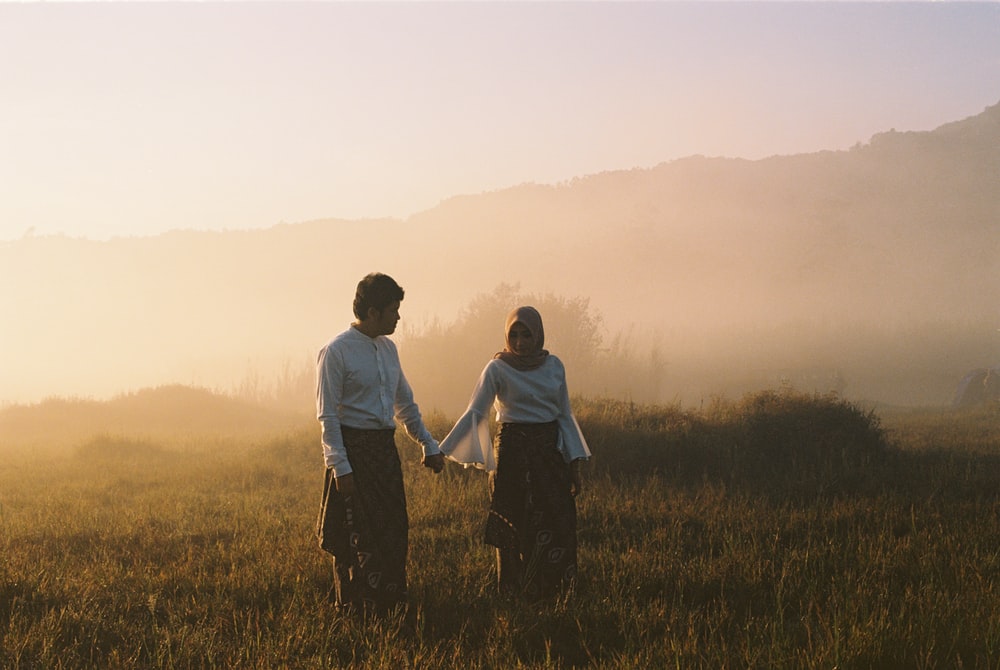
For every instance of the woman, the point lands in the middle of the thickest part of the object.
(535, 474)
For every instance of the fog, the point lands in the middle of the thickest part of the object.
(871, 272)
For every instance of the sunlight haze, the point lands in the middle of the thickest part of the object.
(130, 119)
(741, 195)
(757, 424)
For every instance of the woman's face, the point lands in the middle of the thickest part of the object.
(520, 339)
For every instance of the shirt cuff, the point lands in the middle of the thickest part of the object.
(340, 465)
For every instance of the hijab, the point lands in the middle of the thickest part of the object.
(532, 320)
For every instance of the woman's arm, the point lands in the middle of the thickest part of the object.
(469, 442)
(572, 444)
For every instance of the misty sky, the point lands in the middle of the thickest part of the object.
(135, 118)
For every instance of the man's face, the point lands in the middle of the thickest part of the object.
(386, 320)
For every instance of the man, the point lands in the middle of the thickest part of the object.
(361, 392)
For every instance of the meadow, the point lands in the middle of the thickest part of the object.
(780, 530)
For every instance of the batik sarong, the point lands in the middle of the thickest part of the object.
(367, 533)
(532, 518)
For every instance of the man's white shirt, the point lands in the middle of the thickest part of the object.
(360, 384)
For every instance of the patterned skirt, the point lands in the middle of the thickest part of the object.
(532, 518)
(367, 533)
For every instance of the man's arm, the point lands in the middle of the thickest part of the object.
(408, 413)
(329, 391)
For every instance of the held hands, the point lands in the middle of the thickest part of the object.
(435, 462)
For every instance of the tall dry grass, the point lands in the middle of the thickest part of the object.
(779, 531)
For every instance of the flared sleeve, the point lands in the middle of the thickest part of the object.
(572, 444)
(469, 441)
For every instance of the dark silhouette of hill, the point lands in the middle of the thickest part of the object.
(720, 258)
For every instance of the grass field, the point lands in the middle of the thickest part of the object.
(778, 531)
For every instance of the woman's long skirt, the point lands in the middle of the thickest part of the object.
(367, 533)
(532, 519)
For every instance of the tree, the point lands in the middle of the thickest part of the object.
(444, 361)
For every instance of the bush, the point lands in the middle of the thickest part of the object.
(768, 441)
(804, 441)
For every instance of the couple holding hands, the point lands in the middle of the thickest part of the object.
(533, 461)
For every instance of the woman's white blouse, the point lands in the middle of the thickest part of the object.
(529, 396)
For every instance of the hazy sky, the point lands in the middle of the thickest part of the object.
(135, 118)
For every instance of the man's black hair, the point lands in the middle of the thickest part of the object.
(376, 290)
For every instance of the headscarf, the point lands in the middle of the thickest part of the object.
(532, 320)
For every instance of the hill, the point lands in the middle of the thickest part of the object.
(161, 415)
(742, 272)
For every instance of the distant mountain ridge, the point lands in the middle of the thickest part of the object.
(896, 231)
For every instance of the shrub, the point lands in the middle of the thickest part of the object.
(804, 441)
(781, 441)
